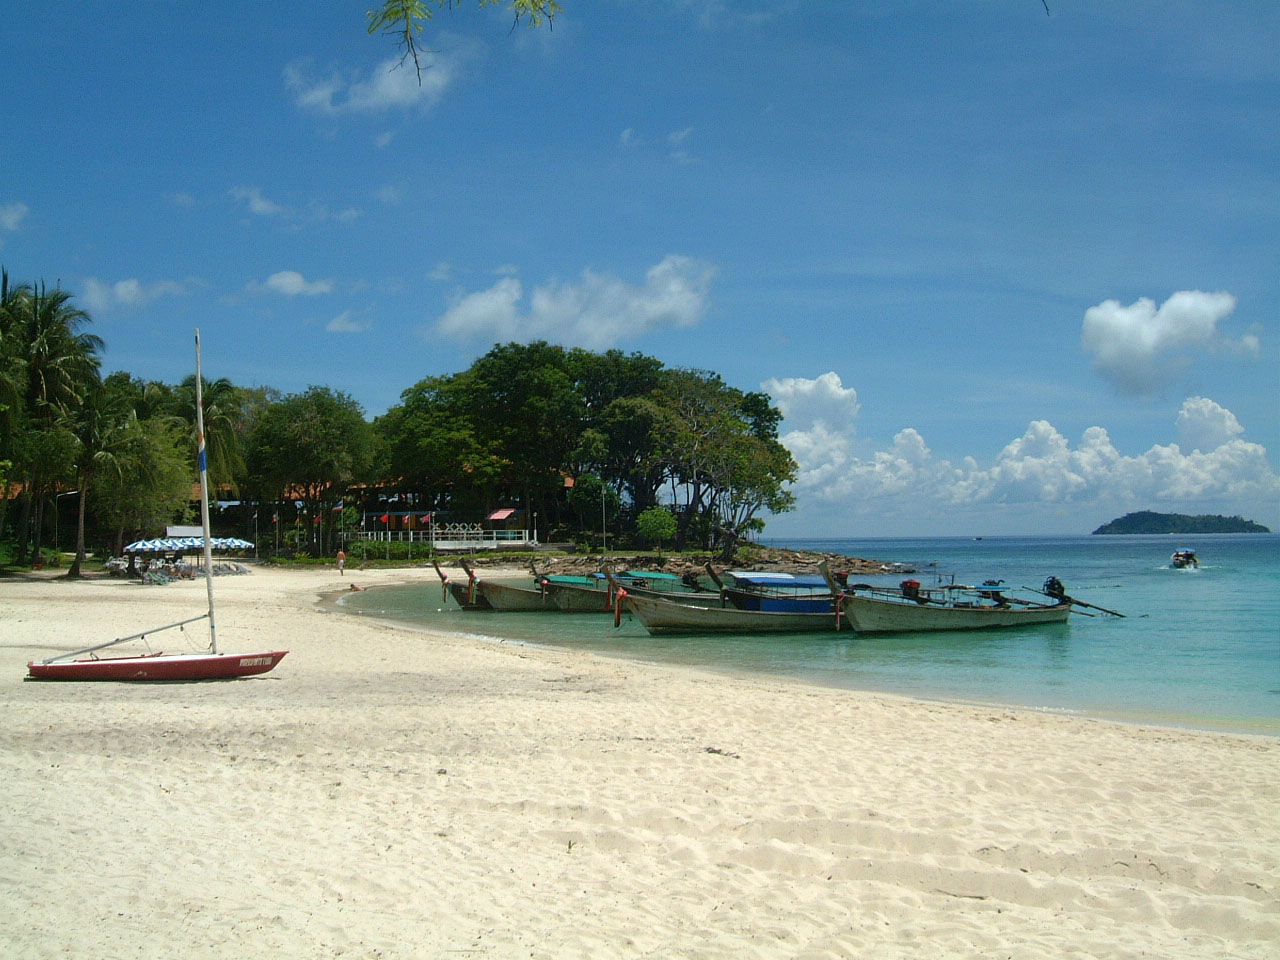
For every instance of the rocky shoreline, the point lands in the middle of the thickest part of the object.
(755, 558)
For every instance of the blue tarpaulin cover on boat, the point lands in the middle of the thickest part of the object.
(770, 579)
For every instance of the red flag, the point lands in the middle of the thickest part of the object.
(426, 518)
(386, 517)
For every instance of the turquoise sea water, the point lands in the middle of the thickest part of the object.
(1197, 648)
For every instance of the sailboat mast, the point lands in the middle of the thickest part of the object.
(204, 496)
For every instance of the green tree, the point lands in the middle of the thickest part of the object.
(527, 412)
(12, 385)
(314, 443)
(723, 458)
(59, 361)
(594, 501)
(657, 524)
(151, 486)
(99, 425)
(433, 446)
(225, 428)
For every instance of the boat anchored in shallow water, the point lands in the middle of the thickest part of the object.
(913, 608)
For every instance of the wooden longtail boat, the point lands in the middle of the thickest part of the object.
(579, 594)
(510, 597)
(672, 588)
(661, 616)
(884, 612)
(466, 594)
(212, 665)
(913, 608)
(778, 592)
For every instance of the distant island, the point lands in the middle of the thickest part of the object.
(1145, 521)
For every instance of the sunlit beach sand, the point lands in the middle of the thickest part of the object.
(393, 793)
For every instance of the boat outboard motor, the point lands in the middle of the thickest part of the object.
(1054, 588)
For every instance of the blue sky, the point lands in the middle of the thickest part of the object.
(1003, 272)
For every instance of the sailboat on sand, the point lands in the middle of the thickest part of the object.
(211, 665)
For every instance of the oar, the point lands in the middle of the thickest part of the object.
(1077, 603)
(1092, 606)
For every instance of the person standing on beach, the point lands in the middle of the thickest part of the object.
(342, 562)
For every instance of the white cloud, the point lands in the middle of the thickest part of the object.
(391, 85)
(1142, 347)
(676, 140)
(820, 416)
(12, 215)
(259, 205)
(348, 322)
(1212, 465)
(597, 312)
(312, 211)
(825, 400)
(100, 296)
(292, 284)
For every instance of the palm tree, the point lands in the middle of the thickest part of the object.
(12, 385)
(100, 426)
(60, 361)
(224, 423)
(12, 378)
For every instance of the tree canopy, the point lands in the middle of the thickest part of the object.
(589, 442)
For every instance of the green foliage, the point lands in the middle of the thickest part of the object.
(152, 486)
(556, 432)
(311, 446)
(657, 524)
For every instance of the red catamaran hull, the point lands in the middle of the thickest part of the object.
(205, 666)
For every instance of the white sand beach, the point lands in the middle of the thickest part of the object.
(390, 793)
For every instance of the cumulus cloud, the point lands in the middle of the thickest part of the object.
(1206, 426)
(391, 85)
(824, 400)
(820, 417)
(101, 297)
(1142, 347)
(597, 312)
(293, 284)
(1211, 464)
